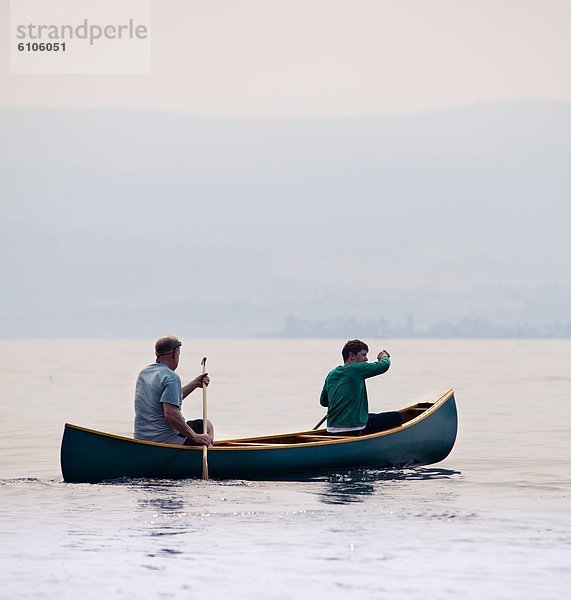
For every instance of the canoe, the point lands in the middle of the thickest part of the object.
(426, 437)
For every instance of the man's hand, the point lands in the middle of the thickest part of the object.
(202, 439)
(197, 382)
(382, 354)
(200, 380)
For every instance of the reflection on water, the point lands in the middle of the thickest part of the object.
(346, 492)
(163, 504)
(164, 496)
(360, 475)
(352, 486)
(165, 552)
(170, 498)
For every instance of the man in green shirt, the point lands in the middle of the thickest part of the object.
(345, 395)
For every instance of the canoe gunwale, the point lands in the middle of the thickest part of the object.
(234, 444)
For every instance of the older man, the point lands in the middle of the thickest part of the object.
(158, 400)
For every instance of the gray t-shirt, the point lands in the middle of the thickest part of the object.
(156, 384)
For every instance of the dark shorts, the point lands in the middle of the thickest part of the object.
(196, 426)
(376, 422)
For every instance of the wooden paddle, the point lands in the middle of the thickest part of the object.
(320, 422)
(204, 425)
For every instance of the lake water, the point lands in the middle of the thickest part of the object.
(492, 520)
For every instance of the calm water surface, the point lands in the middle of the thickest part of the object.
(492, 520)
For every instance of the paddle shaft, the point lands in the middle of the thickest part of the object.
(320, 422)
(204, 425)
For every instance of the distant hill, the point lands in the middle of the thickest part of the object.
(123, 222)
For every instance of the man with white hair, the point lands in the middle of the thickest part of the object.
(158, 400)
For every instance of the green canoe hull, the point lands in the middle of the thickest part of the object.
(89, 456)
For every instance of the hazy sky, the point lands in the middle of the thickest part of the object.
(461, 211)
(327, 57)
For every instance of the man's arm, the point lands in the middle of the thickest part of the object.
(324, 399)
(175, 419)
(368, 369)
(197, 382)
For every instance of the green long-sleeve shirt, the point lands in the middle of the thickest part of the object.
(345, 395)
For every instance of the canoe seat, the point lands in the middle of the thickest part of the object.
(412, 412)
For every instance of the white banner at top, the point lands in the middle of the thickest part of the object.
(80, 36)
